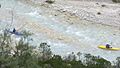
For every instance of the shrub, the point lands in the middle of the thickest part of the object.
(116, 1)
(23, 56)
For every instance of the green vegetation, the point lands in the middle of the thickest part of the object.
(116, 1)
(22, 55)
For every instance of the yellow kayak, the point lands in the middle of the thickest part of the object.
(104, 47)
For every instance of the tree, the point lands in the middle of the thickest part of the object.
(96, 62)
(19, 56)
(71, 57)
(79, 54)
(55, 62)
(118, 62)
(5, 49)
(45, 51)
(5, 42)
(22, 56)
(116, 1)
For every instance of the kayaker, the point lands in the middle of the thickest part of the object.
(108, 46)
(14, 30)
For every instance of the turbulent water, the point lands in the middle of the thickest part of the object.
(63, 37)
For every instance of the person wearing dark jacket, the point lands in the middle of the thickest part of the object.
(108, 46)
(14, 30)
